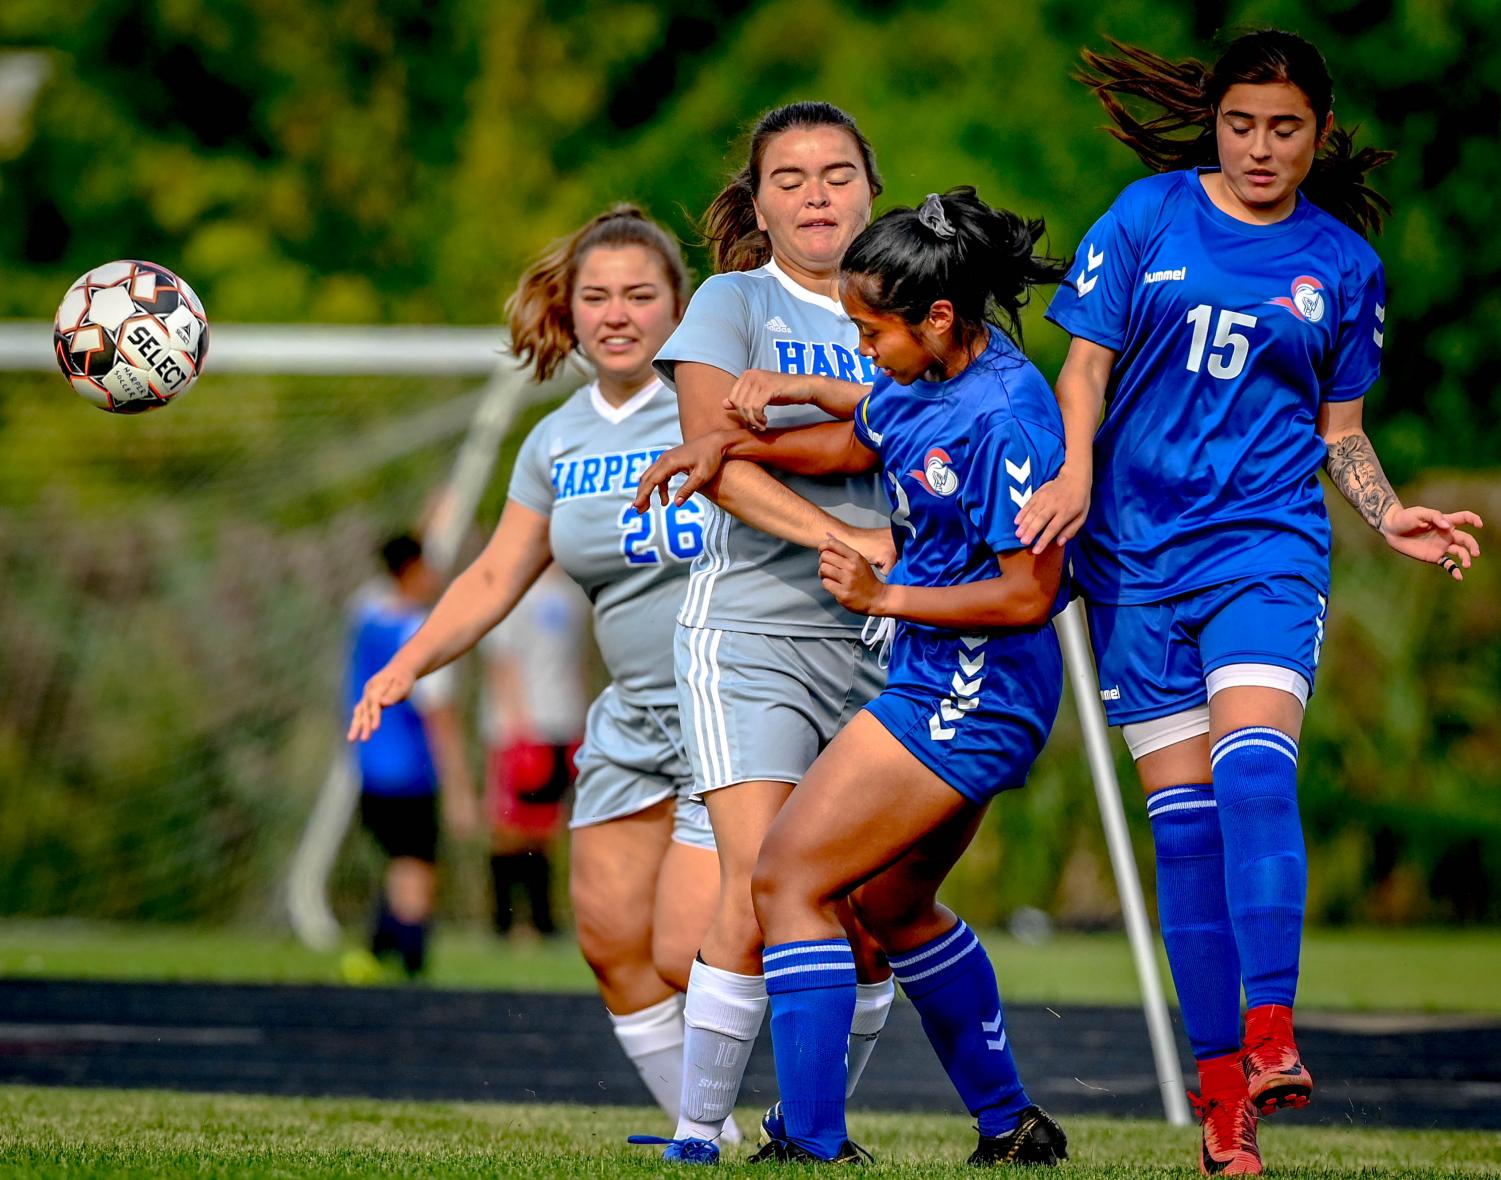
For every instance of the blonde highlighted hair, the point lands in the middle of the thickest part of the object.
(540, 310)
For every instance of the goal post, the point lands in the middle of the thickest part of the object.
(1079, 660)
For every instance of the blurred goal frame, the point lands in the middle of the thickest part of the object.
(444, 351)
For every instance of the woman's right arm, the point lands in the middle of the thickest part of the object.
(476, 600)
(1057, 510)
(745, 490)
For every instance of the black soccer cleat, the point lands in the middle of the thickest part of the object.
(1037, 1139)
(784, 1151)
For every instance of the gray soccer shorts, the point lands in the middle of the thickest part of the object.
(632, 757)
(761, 707)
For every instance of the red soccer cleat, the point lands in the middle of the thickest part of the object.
(1275, 1076)
(1227, 1118)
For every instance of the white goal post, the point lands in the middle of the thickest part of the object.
(433, 351)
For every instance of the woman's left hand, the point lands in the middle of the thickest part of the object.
(1425, 534)
(755, 389)
(700, 460)
(849, 577)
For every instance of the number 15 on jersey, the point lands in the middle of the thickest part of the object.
(1226, 365)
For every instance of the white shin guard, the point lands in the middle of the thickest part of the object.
(723, 1014)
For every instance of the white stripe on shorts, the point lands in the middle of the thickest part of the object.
(700, 706)
(708, 713)
(717, 713)
(701, 581)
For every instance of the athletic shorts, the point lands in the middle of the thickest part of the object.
(631, 759)
(975, 710)
(403, 825)
(762, 707)
(1154, 658)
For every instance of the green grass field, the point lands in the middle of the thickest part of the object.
(98, 1133)
(1408, 970)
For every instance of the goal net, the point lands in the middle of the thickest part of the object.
(175, 597)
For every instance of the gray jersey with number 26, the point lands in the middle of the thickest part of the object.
(579, 467)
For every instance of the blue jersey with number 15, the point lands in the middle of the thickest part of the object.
(1229, 337)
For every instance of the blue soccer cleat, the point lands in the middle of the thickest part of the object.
(773, 1125)
(681, 1151)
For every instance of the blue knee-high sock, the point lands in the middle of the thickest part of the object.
(1266, 868)
(1195, 917)
(952, 985)
(811, 986)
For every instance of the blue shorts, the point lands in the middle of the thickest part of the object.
(1154, 658)
(975, 710)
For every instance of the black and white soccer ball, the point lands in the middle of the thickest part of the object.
(130, 336)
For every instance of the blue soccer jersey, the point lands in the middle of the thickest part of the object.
(396, 759)
(1229, 337)
(960, 459)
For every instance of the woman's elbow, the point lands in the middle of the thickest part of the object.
(1033, 608)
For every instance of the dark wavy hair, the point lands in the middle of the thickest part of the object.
(956, 247)
(1187, 95)
(729, 223)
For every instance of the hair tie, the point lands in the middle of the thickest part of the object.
(934, 218)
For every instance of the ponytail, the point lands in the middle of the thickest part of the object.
(1187, 94)
(540, 310)
(729, 224)
(956, 247)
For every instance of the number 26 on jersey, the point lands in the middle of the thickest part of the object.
(676, 530)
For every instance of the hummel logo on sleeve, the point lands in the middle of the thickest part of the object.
(1085, 286)
(1379, 334)
(777, 324)
(1021, 477)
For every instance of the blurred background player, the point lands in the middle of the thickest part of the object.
(417, 754)
(961, 424)
(535, 704)
(769, 669)
(1228, 316)
(643, 873)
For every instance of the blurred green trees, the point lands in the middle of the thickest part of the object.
(359, 160)
(399, 160)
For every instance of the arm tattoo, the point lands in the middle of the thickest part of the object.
(1356, 472)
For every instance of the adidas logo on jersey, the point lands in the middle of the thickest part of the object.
(778, 324)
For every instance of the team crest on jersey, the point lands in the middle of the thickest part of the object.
(1306, 301)
(936, 474)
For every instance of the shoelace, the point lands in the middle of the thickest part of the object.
(1269, 1053)
(880, 638)
(691, 1147)
(1204, 1107)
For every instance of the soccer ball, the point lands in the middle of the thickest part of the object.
(130, 336)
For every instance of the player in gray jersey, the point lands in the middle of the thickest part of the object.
(769, 666)
(644, 874)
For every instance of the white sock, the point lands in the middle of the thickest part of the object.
(723, 1014)
(653, 1039)
(872, 1006)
